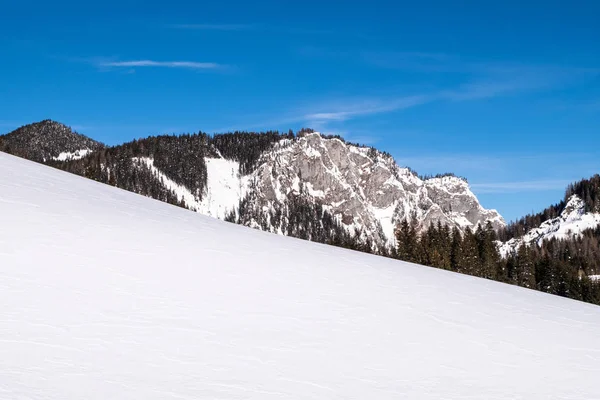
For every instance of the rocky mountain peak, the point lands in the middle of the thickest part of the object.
(364, 188)
(571, 222)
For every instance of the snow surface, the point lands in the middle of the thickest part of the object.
(224, 187)
(109, 295)
(76, 155)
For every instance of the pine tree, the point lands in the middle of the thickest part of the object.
(488, 253)
(470, 254)
(406, 238)
(525, 268)
(456, 253)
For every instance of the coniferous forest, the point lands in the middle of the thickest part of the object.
(556, 266)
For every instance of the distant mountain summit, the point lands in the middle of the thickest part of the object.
(572, 222)
(575, 216)
(47, 140)
(362, 187)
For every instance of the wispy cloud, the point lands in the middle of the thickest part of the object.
(482, 89)
(163, 64)
(216, 27)
(319, 115)
(451, 63)
(520, 186)
(279, 29)
(505, 76)
(363, 107)
(343, 110)
(417, 61)
(588, 106)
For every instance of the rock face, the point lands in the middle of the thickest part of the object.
(571, 222)
(47, 140)
(364, 188)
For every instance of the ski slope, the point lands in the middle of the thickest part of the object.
(105, 294)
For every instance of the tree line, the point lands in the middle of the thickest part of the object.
(555, 266)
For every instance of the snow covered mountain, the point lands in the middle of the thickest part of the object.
(571, 222)
(47, 140)
(257, 179)
(364, 188)
(108, 294)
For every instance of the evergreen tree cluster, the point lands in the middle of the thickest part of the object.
(558, 267)
(300, 217)
(473, 253)
(587, 190)
(247, 147)
(181, 158)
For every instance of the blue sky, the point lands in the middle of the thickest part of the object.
(506, 93)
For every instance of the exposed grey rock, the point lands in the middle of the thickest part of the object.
(364, 188)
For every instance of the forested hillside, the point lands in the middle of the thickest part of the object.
(558, 267)
(42, 141)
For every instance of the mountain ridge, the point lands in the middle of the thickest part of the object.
(361, 187)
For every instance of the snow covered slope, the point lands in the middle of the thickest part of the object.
(109, 295)
(224, 187)
(572, 221)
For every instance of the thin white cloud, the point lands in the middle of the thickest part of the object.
(505, 77)
(449, 63)
(487, 89)
(343, 110)
(416, 61)
(163, 64)
(363, 107)
(520, 186)
(339, 110)
(279, 29)
(216, 27)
